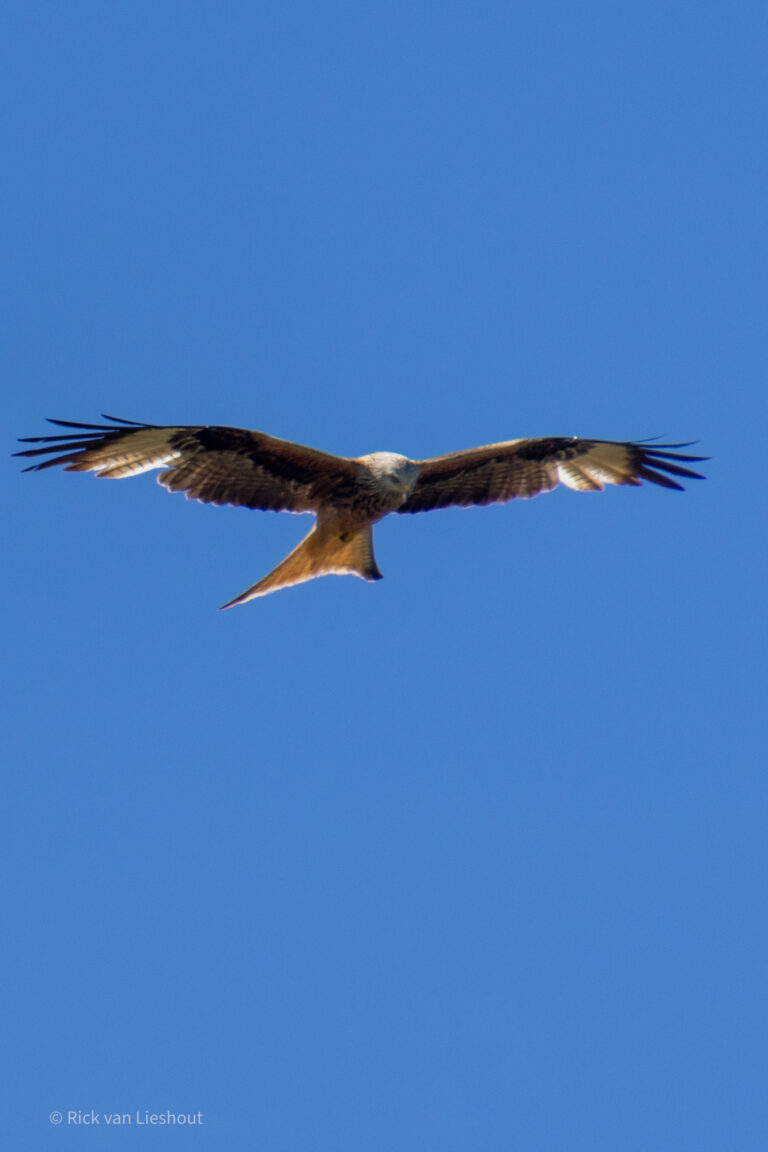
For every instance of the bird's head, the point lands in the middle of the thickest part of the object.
(392, 473)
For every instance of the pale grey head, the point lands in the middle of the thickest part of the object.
(393, 474)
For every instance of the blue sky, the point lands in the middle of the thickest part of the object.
(473, 857)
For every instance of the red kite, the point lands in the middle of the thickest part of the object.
(347, 496)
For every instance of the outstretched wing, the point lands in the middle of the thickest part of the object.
(500, 472)
(215, 465)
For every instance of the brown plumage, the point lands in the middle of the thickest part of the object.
(347, 496)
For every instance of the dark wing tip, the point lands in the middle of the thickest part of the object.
(85, 436)
(659, 478)
(658, 464)
(83, 428)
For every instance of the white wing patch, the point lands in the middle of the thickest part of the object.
(141, 452)
(604, 464)
(579, 479)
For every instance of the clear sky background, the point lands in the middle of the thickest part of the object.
(474, 857)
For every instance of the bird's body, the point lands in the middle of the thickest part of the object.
(347, 496)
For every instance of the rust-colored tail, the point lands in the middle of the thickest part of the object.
(320, 553)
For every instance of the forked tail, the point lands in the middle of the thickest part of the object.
(320, 553)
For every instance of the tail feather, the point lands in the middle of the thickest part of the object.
(320, 553)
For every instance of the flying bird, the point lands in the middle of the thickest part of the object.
(347, 496)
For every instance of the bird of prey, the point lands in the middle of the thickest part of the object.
(347, 496)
